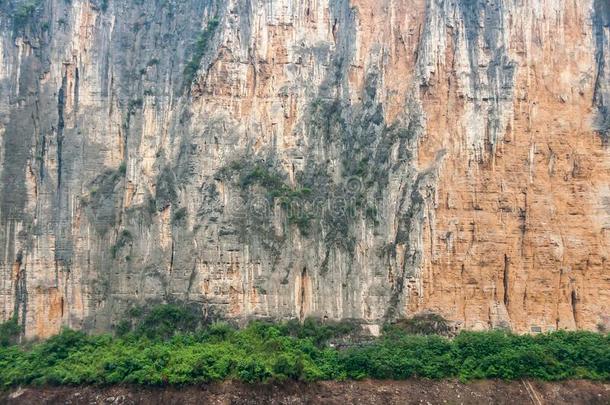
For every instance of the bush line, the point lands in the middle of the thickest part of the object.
(168, 346)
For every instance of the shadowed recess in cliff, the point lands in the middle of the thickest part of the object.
(601, 97)
(21, 122)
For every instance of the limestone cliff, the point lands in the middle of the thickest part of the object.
(365, 159)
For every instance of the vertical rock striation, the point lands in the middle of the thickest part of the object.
(283, 159)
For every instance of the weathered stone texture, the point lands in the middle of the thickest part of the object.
(290, 158)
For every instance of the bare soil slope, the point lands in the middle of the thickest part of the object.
(362, 392)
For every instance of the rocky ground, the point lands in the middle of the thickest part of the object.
(361, 392)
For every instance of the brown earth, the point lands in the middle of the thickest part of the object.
(362, 392)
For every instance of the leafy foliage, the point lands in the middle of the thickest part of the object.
(179, 215)
(166, 320)
(24, 13)
(9, 332)
(250, 175)
(124, 238)
(201, 47)
(422, 324)
(167, 345)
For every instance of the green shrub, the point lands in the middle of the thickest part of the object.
(170, 345)
(201, 46)
(9, 332)
(319, 332)
(123, 327)
(252, 371)
(179, 215)
(263, 176)
(421, 324)
(24, 14)
(134, 105)
(216, 332)
(288, 366)
(166, 320)
(125, 238)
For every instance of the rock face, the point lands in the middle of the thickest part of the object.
(358, 159)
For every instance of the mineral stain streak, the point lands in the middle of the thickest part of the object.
(352, 159)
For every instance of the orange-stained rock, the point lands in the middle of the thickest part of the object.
(357, 159)
(520, 234)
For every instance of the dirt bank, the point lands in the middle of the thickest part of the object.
(342, 393)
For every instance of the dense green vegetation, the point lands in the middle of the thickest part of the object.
(9, 332)
(168, 345)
